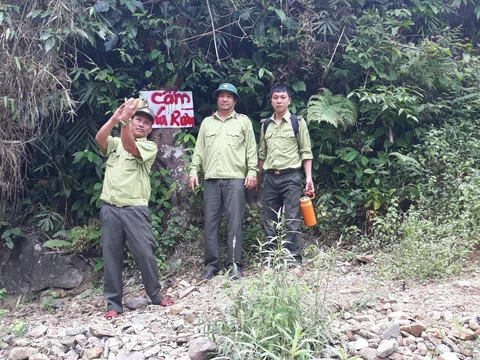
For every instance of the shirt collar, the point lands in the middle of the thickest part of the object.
(286, 117)
(232, 115)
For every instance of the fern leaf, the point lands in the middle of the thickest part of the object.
(57, 244)
(336, 110)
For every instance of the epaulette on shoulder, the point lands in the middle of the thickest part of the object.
(242, 116)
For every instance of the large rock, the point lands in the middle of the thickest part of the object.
(100, 331)
(28, 271)
(136, 355)
(368, 353)
(448, 356)
(360, 344)
(175, 309)
(152, 351)
(386, 348)
(136, 303)
(21, 353)
(463, 334)
(75, 331)
(202, 349)
(94, 353)
(71, 355)
(37, 332)
(415, 329)
(473, 325)
(393, 331)
(38, 357)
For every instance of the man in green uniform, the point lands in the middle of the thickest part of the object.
(126, 191)
(284, 147)
(226, 153)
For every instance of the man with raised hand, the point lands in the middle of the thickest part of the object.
(126, 192)
(284, 147)
(226, 154)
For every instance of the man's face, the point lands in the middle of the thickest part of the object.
(141, 126)
(225, 101)
(280, 101)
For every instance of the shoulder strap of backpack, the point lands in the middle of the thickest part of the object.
(294, 119)
(265, 126)
(295, 126)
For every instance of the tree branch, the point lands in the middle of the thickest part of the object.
(213, 30)
(334, 52)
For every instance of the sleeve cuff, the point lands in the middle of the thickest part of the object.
(307, 156)
(252, 173)
(111, 145)
(147, 150)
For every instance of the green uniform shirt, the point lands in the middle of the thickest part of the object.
(127, 180)
(279, 147)
(225, 149)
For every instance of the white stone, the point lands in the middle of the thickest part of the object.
(152, 351)
(448, 316)
(448, 356)
(201, 349)
(386, 348)
(38, 357)
(360, 344)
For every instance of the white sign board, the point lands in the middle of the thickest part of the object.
(173, 109)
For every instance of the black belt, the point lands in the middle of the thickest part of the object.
(281, 172)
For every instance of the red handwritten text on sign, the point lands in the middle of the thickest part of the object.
(172, 108)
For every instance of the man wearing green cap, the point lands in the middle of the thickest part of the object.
(226, 154)
(126, 191)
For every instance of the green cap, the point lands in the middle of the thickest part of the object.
(227, 87)
(146, 111)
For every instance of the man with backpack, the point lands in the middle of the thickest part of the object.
(284, 147)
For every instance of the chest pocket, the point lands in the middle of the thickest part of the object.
(287, 138)
(113, 159)
(235, 138)
(131, 163)
(209, 138)
(269, 139)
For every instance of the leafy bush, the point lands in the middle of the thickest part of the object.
(79, 240)
(174, 232)
(273, 315)
(9, 234)
(435, 236)
(253, 232)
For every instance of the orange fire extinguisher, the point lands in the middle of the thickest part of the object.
(307, 209)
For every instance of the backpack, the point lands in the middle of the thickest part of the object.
(293, 118)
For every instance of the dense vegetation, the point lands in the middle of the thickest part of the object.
(391, 91)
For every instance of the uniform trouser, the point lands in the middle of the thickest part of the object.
(219, 195)
(283, 192)
(135, 224)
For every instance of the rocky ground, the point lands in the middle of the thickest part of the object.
(375, 319)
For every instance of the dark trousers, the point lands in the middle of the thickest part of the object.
(220, 195)
(135, 224)
(281, 193)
